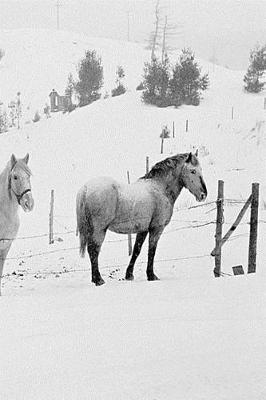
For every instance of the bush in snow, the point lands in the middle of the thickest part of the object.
(90, 78)
(140, 86)
(253, 78)
(36, 117)
(120, 88)
(165, 132)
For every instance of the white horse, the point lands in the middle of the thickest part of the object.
(144, 207)
(15, 191)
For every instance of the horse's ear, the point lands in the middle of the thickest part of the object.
(26, 158)
(13, 161)
(189, 158)
(197, 152)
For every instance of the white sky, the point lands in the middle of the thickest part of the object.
(227, 29)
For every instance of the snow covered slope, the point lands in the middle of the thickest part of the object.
(35, 62)
(173, 339)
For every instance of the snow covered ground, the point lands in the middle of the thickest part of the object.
(188, 336)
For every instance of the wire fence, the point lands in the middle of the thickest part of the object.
(176, 210)
(191, 224)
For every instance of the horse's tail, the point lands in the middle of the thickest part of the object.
(84, 223)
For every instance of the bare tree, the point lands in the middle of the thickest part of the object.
(164, 35)
(170, 32)
(153, 41)
(164, 39)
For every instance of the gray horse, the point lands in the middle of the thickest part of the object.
(143, 207)
(15, 191)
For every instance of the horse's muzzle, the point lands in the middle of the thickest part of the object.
(27, 202)
(202, 197)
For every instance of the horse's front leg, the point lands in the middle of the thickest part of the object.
(154, 236)
(140, 238)
(3, 255)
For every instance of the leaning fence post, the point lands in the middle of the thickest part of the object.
(187, 125)
(252, 251)
(219, 229)
(173, 129)
(129, 235)
(51, 219)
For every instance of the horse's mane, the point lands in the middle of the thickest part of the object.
(162, 167)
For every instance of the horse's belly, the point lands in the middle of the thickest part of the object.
(132, 218)
(130, 226)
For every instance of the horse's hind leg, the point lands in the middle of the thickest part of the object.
(94, 247)
(140, 238)
(154, 236)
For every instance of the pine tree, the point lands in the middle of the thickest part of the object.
(187, 84)
(253, 78)
(90, 81)
(156, 81)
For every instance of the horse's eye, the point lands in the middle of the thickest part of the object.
(15, 177)
(193, 171)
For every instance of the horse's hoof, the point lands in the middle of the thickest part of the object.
(99, 282)
(152, 277)
(129, 277)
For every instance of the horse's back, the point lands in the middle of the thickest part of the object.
(99, 197)
(135, 208)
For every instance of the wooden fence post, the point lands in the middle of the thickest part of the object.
(129, 235)
(187, 125)
(51, 219)
(147, 164)
(162, 145)
(264, 103)
(219, 229)
(173, 129)
(252, 251)
(232, 113)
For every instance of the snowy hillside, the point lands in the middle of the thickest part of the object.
(36, 62)
(172, 339)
